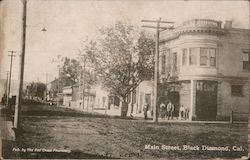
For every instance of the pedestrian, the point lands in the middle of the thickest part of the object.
(182, 113)
(186, 113)
(170, 110)
(162, 110)
(145, 110)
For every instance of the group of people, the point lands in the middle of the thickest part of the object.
(166, 111)
(183, 113)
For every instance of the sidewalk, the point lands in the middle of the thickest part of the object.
(188, 121)
(140, 117)
(7, 135)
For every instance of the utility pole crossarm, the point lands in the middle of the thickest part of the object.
(156, 21)
(165, 28)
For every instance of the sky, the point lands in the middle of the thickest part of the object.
(68, 22)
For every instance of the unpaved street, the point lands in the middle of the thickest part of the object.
(93, 136)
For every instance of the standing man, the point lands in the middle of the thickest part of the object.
(145, 110)
(162, 110)
(170, 110)
(182, 113)
(186, 113)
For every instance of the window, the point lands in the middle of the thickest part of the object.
(246, 63)
(134, 97)
(163, 64)
(184, 56)
(204, 56)
(206, 86)
(129, 98)
(212, 55)
(174, 61)
(237, 90)
(193, 56)
(103, 102)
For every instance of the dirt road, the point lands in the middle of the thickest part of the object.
(87, 136)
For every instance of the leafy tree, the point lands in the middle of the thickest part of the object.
(36, 89)
(122, 58)
(70, 72)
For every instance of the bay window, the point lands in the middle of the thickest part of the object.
(207, 56)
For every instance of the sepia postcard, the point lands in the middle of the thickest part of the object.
(124, 79)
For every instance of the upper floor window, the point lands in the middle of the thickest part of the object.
(212, 56)
(201, 56)
(174, 61)
(204, 56)
(207, 57)
(184, 56)
(246, 63)
(193, 56)
(163, 64)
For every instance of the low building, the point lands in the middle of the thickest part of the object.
(96, 100)
(67, 96)
(141, 96)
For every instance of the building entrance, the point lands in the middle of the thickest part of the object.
(170, 92)
(206, 100)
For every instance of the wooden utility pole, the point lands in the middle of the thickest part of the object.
(6, 87)
(83, 80)
(21, 72)
(58, 85)
(9, 84)
(156, 70)
(46, 87)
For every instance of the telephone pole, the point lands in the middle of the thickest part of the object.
(6, 87)
(9, 84)
(82, 79)
(58, 86)
(46, 85)
(21, 72)
(156, 68)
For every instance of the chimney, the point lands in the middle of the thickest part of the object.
(228, 25)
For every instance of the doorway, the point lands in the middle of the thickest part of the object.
(206, 100)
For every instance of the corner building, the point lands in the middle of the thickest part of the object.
(205, 67)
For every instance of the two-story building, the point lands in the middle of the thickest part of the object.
(205, 67)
